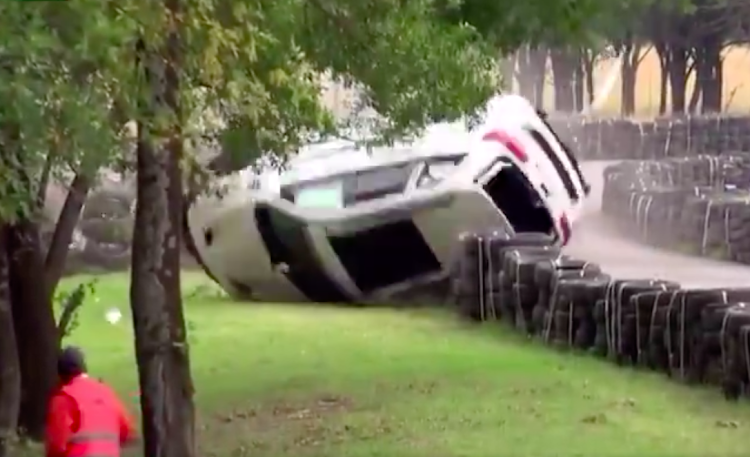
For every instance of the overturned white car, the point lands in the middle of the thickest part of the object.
(343, 224)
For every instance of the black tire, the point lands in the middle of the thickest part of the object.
(498, 243)
(618, 305)
(646, 306)
(520, 264)
(684, 327)
(572, 294)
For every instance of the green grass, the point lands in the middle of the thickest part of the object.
(283, 380)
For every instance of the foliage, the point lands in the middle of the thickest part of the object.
(411, 68)
(249, 75)
(60, 65)
(644, 20)
(509, 24)
(70, 302)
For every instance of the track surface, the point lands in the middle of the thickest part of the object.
(597, 240)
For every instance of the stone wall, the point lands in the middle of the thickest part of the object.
(618, 138)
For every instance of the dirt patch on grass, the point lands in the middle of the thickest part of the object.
(277, 413)
(277, 426)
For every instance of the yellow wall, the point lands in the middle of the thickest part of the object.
(736, 84)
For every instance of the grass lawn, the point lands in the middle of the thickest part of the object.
(283, 380)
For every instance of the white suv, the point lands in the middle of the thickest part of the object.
(351, 226)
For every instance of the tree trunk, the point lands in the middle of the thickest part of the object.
(663, 88)
(525, 74)
(160, 334)
(564, 66)
(507, 65)
(628, 76)
(631, 58)
(33, 316)
(588, 68)
(540, 85)
(695, 97)
(578, 82)
(716, 97)
(627, 95)
(10, 375)
(57, 253)
(662, 52)
(678, 71)
(41, 190)
(532, 69)
(709, 75)
(36, 330)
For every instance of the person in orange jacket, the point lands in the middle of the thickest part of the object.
(85, 417)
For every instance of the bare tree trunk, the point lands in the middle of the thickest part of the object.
(158, 321)
(532, 70)
(33, 316)
(716, 99)
(160, 334)
(578, 82)
(507, 65)
(663, 54)
(41, 190)
(695, 97)
(709, 75)
(532, 62)
(564, 64)
(10, 374)
(678, 72)
(631, 55)
(54, 264)
(589, 58)
(525, 72)
(36, 329)
(540, 86)
(627, 97)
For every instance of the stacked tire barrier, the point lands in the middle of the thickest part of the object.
(694, 335)
(698, 205)
(595, 138)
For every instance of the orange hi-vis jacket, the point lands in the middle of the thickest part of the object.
(86, 419)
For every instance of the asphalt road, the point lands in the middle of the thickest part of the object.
(596, 240)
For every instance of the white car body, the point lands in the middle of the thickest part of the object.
(342, 224)
(557, 166)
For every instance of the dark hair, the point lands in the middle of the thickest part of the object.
(70, 363)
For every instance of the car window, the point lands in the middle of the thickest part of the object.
(382, 181)
(383, 178)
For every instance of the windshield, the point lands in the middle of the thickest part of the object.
(349, 189)
(329, 194)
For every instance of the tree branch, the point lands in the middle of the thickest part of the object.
(57, 253)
